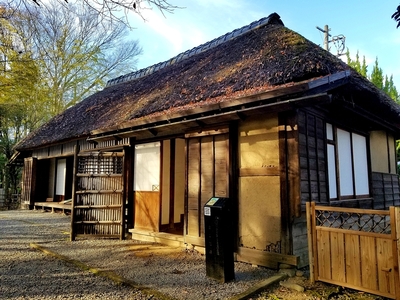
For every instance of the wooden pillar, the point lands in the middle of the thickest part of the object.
(172, 184)
(310, 232)
(289, 176)
(74, 187)
(233, 158)
(395, 227)
(124, 192)
(128, 182)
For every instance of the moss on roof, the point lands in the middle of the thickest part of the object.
(259, 60)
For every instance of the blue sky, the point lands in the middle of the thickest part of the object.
(367, 26)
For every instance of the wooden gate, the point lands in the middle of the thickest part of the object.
(98, 197)
(355, 248)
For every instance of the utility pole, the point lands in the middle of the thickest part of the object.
(339, 40)
(326, 36)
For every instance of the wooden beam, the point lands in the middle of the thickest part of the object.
(266, 259)
(91, 141)
(196, 241)
(267, 171)
(200, 123)
(213, 117)
(214, 131)
(153, 131)
(241, 116)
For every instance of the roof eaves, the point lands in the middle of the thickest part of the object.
(293, 103)
(312, 86)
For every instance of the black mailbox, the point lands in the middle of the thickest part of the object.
(219, 239)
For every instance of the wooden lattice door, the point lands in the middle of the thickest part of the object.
(29, 181)
(98, 200)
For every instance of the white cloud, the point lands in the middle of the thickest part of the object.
(163, 27)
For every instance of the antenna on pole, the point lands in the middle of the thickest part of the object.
(338, 40)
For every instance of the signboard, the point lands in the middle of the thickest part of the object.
(207, 209)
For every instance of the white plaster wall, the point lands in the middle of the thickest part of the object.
(259, 196)
(382, 152)
(259, 211)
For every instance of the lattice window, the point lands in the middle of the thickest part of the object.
(366, 222)
(100, 163)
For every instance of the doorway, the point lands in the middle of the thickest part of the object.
(159, 186)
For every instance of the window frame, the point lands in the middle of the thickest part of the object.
(350, 140)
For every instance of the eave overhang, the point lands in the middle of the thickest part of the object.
(302, 94)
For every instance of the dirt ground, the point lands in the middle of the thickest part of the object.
(316, 291)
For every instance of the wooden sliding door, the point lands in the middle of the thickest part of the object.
(208, 176)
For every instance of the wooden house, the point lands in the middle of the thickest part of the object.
(261, 116)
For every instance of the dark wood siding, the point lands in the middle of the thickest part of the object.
(385, 190)
(312, 159)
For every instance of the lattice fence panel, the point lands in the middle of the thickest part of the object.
(355, 248)
(98, 207)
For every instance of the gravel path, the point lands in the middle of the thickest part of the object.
(152, 271)
(26, 273)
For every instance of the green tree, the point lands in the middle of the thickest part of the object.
(390, 88)
(384, 83)
(11, 118)
(50, 60)
(377, 77)
(381, 81)
(356, 64)
(20, 105)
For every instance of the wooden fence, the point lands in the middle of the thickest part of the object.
(355, 248)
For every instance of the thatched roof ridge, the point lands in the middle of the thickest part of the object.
(271, 19)
(260, 59)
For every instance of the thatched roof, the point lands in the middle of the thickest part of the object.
(258, 58)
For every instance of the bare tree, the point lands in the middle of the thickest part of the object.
(77, 50)
(50, 58)
(110, 10)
